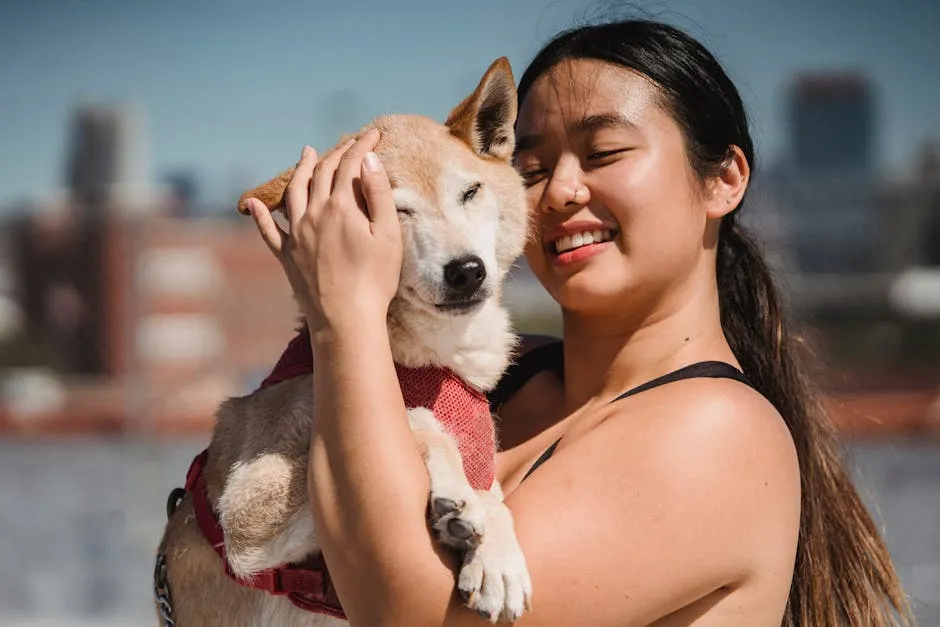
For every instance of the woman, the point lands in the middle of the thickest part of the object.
(668, 487)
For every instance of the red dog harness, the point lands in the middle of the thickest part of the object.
(463, 412)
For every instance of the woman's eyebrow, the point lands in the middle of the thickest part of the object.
(588, 124)
(526, 142)
(600, 121)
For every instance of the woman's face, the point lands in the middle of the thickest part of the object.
(601, 156)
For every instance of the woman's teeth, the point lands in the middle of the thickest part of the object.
(570, 242)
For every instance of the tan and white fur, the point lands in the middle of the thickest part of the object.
(458, 198)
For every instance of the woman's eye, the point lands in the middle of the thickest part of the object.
(600, 155)
(532, 176)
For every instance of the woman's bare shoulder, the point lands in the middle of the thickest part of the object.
(717, 430)
(710, 407)
(688, 489)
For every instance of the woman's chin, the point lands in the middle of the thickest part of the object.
(596, 282)
(581, 294)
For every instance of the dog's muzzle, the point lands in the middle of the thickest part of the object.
(463, 278)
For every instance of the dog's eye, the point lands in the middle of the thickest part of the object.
(470, 193)
(405, 211)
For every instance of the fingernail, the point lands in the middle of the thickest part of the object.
(306, 151)
(371, 162)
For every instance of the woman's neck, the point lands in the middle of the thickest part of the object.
(607, 354)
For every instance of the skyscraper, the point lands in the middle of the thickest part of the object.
(831, 183)
(107, 157)
(831, 120)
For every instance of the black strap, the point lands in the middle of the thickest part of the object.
(702, 369)
(545, 357)
(544, 457)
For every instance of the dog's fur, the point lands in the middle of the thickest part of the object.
(256, 471)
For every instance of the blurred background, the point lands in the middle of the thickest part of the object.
(133, 298)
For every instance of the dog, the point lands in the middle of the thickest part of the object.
(239, 547)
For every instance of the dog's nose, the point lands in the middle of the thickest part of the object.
(465, 275)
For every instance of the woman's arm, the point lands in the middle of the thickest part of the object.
(639, 518)
(369, 488)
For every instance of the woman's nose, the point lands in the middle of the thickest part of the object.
(565, 189)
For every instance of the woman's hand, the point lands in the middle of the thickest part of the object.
(342, 255)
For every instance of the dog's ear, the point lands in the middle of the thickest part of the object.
(270, 193)
(485, 119)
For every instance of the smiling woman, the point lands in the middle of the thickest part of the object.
(633, 129)
(666, 463)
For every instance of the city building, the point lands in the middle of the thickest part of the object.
(130, 307)
(830, 178)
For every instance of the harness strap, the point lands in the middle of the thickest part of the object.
(307, 588)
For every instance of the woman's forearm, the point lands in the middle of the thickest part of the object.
(368, 485)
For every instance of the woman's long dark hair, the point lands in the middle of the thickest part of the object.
(843, 572)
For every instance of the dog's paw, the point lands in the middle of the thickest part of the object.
(494, 581)
(458, 520)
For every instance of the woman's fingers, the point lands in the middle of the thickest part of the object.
(377, 191)
(296, 195)
(315, 181)
(350, 165)
(271, 233)
(321, 185)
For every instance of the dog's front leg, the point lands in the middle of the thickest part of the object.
(458, 518)
(494, 579)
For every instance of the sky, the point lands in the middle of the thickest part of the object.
(231, 90)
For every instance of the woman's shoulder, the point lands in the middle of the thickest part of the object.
(721, 421)
(694, 484)
(726, 452)
(714, 433)
(724, 406)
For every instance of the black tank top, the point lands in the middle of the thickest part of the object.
(550, 357)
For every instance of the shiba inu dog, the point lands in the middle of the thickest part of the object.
(240, 545)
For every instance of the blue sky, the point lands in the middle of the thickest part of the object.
(232, 90)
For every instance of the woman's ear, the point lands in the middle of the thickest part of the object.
(727, 188)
